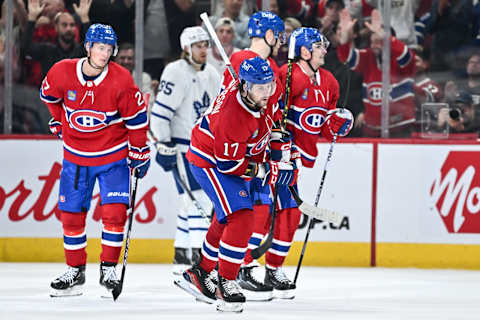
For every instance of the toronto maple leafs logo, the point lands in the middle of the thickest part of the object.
(201, 106)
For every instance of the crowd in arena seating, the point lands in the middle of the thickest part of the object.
(435, 53)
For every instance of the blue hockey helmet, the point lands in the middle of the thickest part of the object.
(262, 21)
(306, 37)
(101, 33)
(255, 71)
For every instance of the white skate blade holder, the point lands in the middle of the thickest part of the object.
(70, 292)
(223, 306)
(192, 290)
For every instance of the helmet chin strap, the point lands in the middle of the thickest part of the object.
(249, 102)
(196, 65)
(270, 46)
(93, 65)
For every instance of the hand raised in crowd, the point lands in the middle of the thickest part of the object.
(376, 25)
(82, 10)
(35, 9)
(345, 27)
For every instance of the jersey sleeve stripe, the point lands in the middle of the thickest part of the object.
(139, 121)
(203, 155)
(205, 127)
(404, 58)
(352, 60)
(228, 166)
(164, 106)
(305, 155)
(48, 99)
(139, 112)
(160, 116)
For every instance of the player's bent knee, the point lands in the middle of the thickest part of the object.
(73, 220)
(114, 214)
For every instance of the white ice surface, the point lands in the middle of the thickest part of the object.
(323, 293)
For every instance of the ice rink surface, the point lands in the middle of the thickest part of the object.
(322, 293)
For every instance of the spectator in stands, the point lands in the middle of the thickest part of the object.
(470, 84)
(290, 25)
(120, 14)
(126, 58)
(44, 31)
(329, 20)
(426, 89)
(66, 46)
(450, 23)
(369, 64)
(156, 44)
(462, 116)
(225, 30)
(232, 10)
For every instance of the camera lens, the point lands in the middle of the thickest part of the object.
(455, 114)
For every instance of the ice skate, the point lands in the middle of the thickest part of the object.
(253, 289)
(282, 286)
(108, 278)
(229, 295)
(198, 283)
(69, 283)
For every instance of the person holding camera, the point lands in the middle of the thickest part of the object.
(462, 116)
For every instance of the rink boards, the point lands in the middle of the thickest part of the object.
(410, 203)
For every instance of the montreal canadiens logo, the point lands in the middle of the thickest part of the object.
(87, 120)
(312, 119)
(260, 145)
(374, 93)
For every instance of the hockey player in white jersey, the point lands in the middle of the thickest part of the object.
(187, 87)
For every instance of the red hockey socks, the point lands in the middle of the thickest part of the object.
(234, 242)
(74, 238)
(211, 244)
(114, 216)
(286, 224)
(261, 217)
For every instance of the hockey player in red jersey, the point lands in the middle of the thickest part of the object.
(267, 33)
(101, 117)
(313, 96)
(228, 148)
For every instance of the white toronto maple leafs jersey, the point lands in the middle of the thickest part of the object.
(183, 95)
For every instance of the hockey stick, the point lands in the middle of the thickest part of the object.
(261, 249)
(213, 35)
(317, 199)
(118, 289)
(189, 192)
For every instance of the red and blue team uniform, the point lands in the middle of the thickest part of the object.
(309, 103)
(262, 192)
(223, 142)
(100, 119)
(402, 71)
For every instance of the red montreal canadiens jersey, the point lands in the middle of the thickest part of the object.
(99, 117)
(402, 69)
(427, 90)
(310, 101)
(230, 135)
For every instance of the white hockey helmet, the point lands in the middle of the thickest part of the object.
(191, 35)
